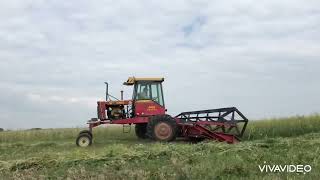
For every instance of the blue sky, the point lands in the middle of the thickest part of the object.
(262, 57)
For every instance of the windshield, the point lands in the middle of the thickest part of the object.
(149, 91)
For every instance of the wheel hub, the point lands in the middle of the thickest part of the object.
(84, 142)
(163, 131)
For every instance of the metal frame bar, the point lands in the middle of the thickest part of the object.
(219, 117)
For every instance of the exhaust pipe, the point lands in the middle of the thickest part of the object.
(121, 95)
(107, 91)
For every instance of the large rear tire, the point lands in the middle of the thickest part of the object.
(162, 128)
(141, 131)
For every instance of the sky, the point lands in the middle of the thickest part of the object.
(259, 56)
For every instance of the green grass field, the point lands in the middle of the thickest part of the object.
(52, 154)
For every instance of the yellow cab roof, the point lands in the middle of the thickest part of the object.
(133, 80)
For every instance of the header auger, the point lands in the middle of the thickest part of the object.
(146, 110)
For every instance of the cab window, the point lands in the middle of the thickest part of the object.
(149, 91)
(156, 93)
(143, 91)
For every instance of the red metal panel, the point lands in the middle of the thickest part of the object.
(135, 120)
(101, 110)
(148, 108)
(195, 130)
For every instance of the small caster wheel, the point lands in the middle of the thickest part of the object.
(84, 140)
(86, 132)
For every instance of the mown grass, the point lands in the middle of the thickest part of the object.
(52, 154)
